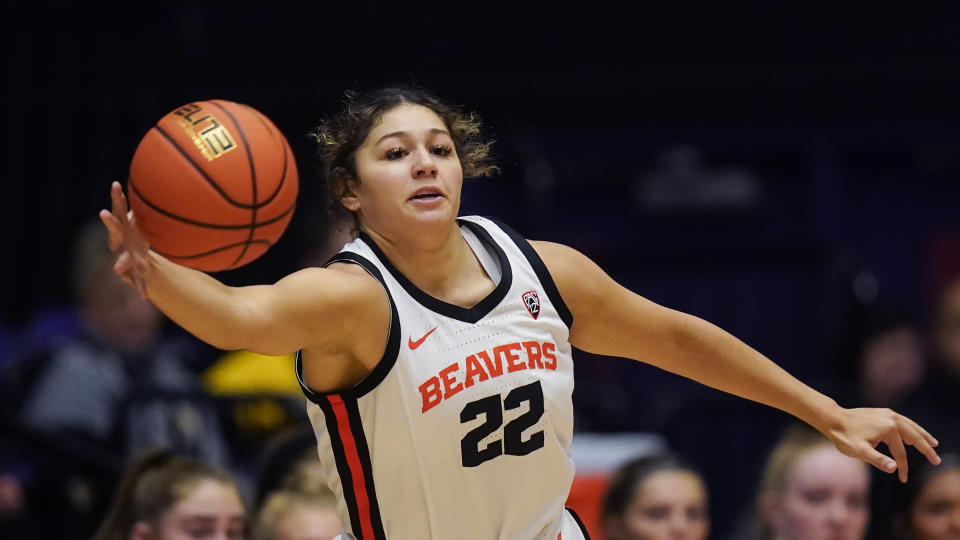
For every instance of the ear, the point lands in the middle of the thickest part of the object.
(140, 531)
(348, 195)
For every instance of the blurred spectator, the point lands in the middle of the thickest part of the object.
(75, 409)
(298, 514)
(656, 498)
(810, 491)
(292, 497)
(119, 384)
(162, 495)
(929, 504)
(289, 460)
(936, 404)
(881, 358)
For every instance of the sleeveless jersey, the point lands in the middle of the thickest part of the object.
(463, 429)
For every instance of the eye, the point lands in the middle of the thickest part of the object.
(936, 508)
(857, 501)
(442, 149)
(696, 514)
(657, 513)
(394, 154)
(816, 496)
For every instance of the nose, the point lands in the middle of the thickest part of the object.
(423, 166)
(838, 512)
(678, 527)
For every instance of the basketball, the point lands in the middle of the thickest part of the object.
(213, 185)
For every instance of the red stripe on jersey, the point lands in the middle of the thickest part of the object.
(353, 461)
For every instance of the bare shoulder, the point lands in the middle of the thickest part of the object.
(338, 285)
(328, 304)
(554, 254)
(350, 315)
(571, 270)
(582, 284)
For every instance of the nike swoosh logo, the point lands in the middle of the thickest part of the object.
(414, 344)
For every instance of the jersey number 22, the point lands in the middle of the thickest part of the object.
(511, 442)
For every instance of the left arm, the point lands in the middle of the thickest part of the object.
(611, 320)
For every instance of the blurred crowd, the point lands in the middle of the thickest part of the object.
(115, 424)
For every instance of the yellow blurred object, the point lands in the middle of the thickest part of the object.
(261, 415)
(242, 373)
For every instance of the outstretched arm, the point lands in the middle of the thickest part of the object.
(611, 320)
(315, 307)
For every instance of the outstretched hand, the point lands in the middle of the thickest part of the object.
(126, 241)
(859, 431)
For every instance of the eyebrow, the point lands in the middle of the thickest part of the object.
(203, 518)
(434, 131)
(199, 519)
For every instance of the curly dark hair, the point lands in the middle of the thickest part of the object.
(338, 137)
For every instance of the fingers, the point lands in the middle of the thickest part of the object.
(114, 231)
(119, 202)
(918, 437)
(931, 440)
(878, 460)
(124, 264)
(899, 453)
(139, 285)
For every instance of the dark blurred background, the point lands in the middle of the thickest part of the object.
(769, 167)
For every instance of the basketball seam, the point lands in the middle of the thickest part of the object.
(260, 117)
(189, 221)
(212, 251)
(284, 147)
(203, 173)
(253, 181)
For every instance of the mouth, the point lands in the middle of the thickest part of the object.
(426, 194)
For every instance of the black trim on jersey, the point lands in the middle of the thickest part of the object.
(541, 269)
(360, 439)
(579, 521)
(343, 468)
(390, 354)
(467, 315)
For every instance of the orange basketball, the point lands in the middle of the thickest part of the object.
(213, 185)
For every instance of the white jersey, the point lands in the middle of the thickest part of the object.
(463, 429)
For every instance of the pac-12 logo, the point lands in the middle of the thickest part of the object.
(532, 301)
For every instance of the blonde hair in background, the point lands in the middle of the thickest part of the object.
(797, 441)
(282, 502)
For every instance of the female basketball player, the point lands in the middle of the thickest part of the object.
(436, 351)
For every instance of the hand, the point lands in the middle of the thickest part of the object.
(126, 242)
(859, 431)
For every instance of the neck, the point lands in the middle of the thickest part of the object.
(435, 262)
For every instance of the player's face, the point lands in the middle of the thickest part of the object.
(936, 513)
(409, 172)
(212, 511)
(669, 505)
(825, 498)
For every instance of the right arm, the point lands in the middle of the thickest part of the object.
(313, 308)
